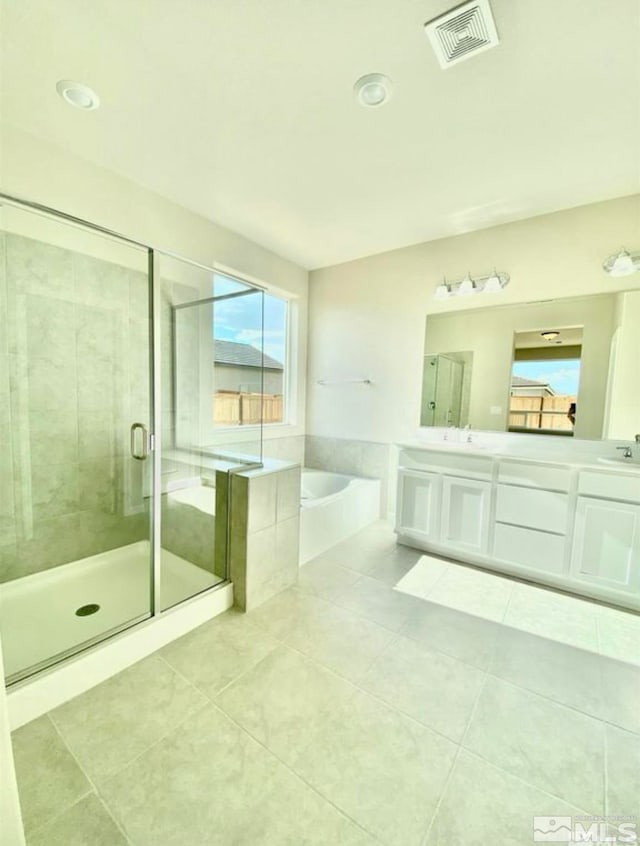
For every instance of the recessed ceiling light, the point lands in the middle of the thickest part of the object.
(373, 89)
(77, 94)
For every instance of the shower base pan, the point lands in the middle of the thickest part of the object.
(50, 613)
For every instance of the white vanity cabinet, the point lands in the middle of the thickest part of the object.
(418, 506)
(606, 548)
(465, 514)
(573, 526)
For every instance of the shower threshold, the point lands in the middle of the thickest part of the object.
(49, 614)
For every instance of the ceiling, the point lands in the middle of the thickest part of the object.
(569, 336)
(243, 111)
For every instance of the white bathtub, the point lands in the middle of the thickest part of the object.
(334, 507)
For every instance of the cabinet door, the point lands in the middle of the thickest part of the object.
(465, 514)
(606, 547)
(418, 504)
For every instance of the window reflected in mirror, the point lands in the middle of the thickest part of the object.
(545, 379)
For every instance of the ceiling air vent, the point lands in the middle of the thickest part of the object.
(462, 32)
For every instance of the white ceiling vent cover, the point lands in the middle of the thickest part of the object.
(462, 32)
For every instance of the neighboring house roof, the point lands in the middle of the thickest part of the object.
(521, 382)
(243, 355)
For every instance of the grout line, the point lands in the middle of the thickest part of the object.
(455, 760)
(58, 814)
(94, 787)
(295, 774)
(488, 670)
(221, 710)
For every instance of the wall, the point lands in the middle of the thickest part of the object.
(367, 316)
(489, 333)
(623, 420)
(38, 171)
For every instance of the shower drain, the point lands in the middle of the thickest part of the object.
(86, 610)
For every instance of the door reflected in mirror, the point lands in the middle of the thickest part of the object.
(566, 367)
(445, 388)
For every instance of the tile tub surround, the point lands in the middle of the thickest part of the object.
(355, 458)
(318, 721)
(265, 533)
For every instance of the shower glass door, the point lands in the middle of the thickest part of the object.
(75, 469)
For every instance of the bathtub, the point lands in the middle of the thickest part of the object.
(334, 507)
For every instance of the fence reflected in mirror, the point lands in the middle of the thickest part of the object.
(565, 367)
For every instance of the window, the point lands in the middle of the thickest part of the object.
(250, 338)
(544, 395)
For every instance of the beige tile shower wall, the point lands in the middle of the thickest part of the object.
(51, 175)
(74, 362)
(265, 535)
(355, 458)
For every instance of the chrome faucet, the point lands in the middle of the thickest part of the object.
(627, 452)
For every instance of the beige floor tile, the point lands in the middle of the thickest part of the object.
(620, 702)
(473, 591)
(553, 615)
(563, 673)
(284, 700)
(215, 654)
(619, 634)
(325, 578)
(382, 769)
(433, 688)
(548, 745)
(379, 603)
(485, 806)
(109, 725)
(210, 783)
(422, 577)
(395, 566)
(280, 615)
(88, 823)
(344, 642)
(623, 772)
(49, 778)
(463, 636)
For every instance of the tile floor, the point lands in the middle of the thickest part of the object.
(446, 711)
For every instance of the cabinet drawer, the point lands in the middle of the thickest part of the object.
(609, 486)
(553, 477)
(529, 547)
(535, 509)
(454, 463)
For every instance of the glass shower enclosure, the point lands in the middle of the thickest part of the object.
(110, 455)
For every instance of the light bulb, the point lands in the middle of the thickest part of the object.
(623, 264)
(493, 284)
(466, 287)
(442, 292)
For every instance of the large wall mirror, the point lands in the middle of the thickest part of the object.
(567, 367)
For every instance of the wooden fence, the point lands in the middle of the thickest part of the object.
(231, 408)
(541, 413)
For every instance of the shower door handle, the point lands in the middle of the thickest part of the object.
(144, 451)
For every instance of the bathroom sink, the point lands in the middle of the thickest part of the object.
(627, 463)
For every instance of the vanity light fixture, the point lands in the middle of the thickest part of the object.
(443, 292)
(490, 284)
(550, 335)
(622, 263)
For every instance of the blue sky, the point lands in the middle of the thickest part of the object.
(563, 374)
(240, 319)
